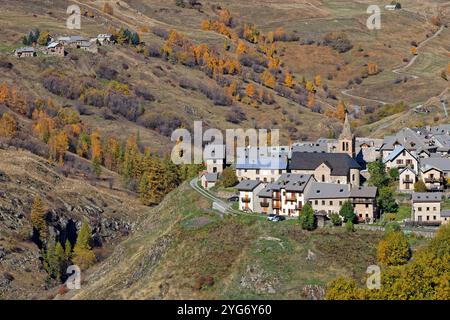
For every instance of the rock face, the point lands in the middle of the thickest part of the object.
(112, 214)
(256, 279)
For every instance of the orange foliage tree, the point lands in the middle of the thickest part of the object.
(8, 125)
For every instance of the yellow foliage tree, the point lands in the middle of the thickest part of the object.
(250, 90)
(318, 81)
(38, 215)
(394, 249)
(289, 80)
(340, 111)
(58, 145)
(310, 86)
(268, 79)
(8, 125)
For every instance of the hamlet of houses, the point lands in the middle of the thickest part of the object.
(327, 172)
(56, 46)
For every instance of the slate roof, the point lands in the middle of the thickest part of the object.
(25, 49)
(340, 163)
(321, 190)
(363, 192)
(394, 154)
(445, 213)
(262, 162)
(211, 177)
(426, 197)
(248, 185)
(439, 163)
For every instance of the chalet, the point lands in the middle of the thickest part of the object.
(443, 164)
(337, 168)
(25, 52)
(209, 180)
(400, 158)
(433, 178)
(364, 203)
(286, 195)
(407, 178)
(426, 208)
(328, 197)
(105, 39)
(248, 190)
(264, 168)
(56, 49)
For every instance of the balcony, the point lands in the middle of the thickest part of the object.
(276, 196)
(276, 205)
(245, 200)
(362, 201)
(264, 204)
(291, 198)
(434, 180)
(408, 180)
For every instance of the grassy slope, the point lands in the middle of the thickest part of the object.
(308, 18)
(182, 240)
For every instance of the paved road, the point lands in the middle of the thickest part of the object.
(194, 185)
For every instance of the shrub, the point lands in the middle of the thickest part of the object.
(393, 250)
(420, 186)
(347, 212)
(160, 32)
(143, 93)
(61, 86)
(236, 115)
(392, 226)
(216, 94)
(106, 72)
(349, 227)
(307, 218)
(228, 177)
(336, 219)
(338, 41)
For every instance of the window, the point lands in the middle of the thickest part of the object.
(316, 202)
(419, 208)
(353, 177)
(280, 171)
(434, 208)
(331, 203)
(323, 202)
(257, 171)
(434, 217)
(367, 205)
(428, 218)
(323, 178)
(428, 208)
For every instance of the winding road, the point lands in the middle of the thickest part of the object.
(194, 185)
(399, 70)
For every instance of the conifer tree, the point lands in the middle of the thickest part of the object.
(38, 215)
(83, 256)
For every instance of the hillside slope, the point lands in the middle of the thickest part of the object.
(112, 214)
(183, 250)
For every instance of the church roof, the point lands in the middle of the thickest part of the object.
(346, 130)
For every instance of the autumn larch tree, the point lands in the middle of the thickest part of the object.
(289, 80)
(8, 125)
(83, 256)
(38, 218)
(340, 111)
(250, 90)
(96, 152)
